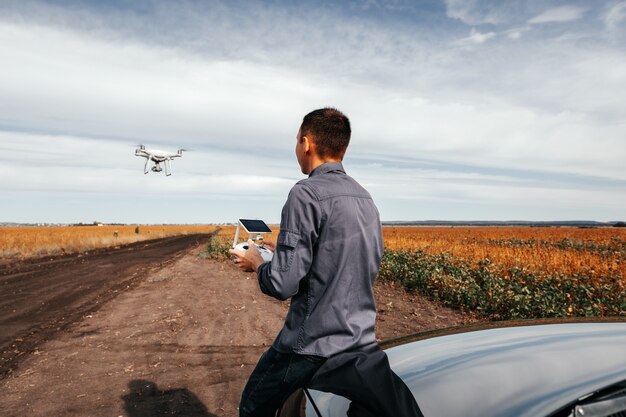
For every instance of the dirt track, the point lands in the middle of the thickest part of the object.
(181, 340)
(40, 298)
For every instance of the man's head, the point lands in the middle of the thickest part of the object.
(323, 137)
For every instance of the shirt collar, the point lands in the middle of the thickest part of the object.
(327, 167)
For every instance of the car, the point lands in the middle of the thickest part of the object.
(538, 368)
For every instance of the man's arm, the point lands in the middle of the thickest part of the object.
(299, 229)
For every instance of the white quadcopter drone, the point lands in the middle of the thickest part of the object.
(157, 157)
(255, 229)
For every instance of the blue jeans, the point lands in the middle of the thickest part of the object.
(276, 376)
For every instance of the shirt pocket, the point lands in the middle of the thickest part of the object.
(287, 243)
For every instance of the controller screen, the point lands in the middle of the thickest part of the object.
(255, 226)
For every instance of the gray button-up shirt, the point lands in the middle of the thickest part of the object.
(327, 256)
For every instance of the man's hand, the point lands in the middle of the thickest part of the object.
(270, 244)
(247, 259)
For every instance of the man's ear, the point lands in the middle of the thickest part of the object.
(306, 144)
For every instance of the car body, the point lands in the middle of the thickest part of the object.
(506, 369)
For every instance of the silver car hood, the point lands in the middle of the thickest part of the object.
(521, 371)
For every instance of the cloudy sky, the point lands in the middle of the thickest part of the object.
(461, 109)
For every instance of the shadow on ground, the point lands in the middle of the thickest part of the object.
(146, 400)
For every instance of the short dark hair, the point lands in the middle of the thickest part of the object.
(330, 129)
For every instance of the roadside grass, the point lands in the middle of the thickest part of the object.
(499, 293)
(217, 248)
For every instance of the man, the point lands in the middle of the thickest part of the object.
(326, 258)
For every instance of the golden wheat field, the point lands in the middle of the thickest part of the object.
(25, 242)
(541, 250)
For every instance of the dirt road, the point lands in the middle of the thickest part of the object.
(42, 297)
(181, 342)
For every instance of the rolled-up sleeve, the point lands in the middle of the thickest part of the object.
(299, 229)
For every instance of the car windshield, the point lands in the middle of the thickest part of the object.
(608, 402)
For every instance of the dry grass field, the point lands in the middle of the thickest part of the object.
(27, 242)
(512, 272)
(541, 250)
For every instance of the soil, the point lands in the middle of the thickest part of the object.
(144, 334)
(74, 286)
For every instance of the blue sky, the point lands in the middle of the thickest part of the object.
(461, 109)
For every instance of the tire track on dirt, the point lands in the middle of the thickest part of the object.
(39, 298)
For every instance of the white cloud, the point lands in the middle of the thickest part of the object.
(82, 179)
(516, 33)
(162, 96)
(559, 14)
(470, 12)
(487, 12)
(615, 15)
(395, 5)
(476, 37)
(437, 194)
(496, 135)
(66, 82)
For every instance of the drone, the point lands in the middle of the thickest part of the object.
(157, 157)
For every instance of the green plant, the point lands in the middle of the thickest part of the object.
(502, 294)
(216, 249)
